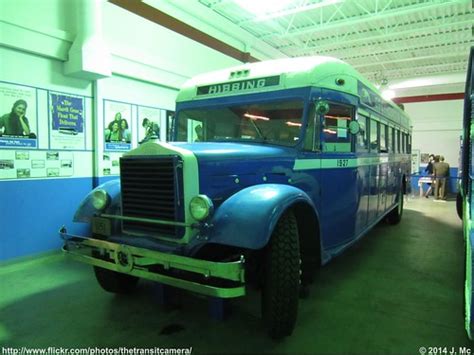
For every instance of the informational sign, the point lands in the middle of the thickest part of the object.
(111, 163)
(67, 122)
(238, 86)
(415, 161)
(36, 164)
(18, 116)
(151, 121)
(117, 126)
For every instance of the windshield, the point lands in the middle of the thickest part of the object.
(275, 122)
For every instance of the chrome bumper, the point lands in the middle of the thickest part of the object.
(137, 262)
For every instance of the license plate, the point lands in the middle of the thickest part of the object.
(101, 226)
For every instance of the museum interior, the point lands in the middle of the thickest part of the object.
(236, 176)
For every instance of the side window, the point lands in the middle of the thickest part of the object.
(190, 131)
(390, 140)
(374, 136)
(336, 133)
(397, 139)
(383, 138)
(409, 143)
(403, 145)
(362, 142)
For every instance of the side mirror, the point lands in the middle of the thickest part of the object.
(322, 107)
(354, 127)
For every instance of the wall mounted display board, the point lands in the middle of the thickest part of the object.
(117, 126)
(66, 122)
(150, 121)
(36, 164)
(18, 116)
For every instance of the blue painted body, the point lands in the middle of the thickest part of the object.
(85, 210)
(253, 211)
(252, 184)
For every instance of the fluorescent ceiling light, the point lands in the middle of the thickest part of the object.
(261, 7)
(267, 10)
(430, 81)
(388, 94)
(413, 83)
(255, 117)
(293, 124)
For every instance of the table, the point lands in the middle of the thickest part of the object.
(424, 180)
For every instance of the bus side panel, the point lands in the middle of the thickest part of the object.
(392, 183)
(383, 187)
(363, 182)
(373, 192)
(339, 203)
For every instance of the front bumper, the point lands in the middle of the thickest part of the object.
(217, 279)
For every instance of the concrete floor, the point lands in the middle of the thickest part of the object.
(397, 290)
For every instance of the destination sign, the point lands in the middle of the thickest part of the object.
(238, 86)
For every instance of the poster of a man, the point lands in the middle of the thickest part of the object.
(153, 124)
(152, 129)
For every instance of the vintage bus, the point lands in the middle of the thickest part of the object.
(465, 204)
(275, 168)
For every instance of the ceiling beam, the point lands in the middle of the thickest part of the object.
(153, 14)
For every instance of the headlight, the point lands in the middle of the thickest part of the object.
(201, 207)
(100, 199)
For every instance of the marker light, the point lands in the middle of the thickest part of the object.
(201, 207)
(100, 199)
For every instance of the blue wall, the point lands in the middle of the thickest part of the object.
(32, 211)
(453, 181)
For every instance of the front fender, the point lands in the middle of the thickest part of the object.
(86, 211)
(247, 218)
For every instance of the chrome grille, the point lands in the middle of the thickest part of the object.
(150, 190)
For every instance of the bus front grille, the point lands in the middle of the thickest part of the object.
(150, 190)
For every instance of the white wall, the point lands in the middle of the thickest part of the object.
(437, 127)
(148, 63)
(164, 56)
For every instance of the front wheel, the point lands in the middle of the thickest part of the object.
(395, 215)
(281, 281)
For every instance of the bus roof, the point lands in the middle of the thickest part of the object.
(287, 73)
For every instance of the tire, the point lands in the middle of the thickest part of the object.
(459, 205)
(115, 282)
(468, 295)
(395, 215)
(281, 281)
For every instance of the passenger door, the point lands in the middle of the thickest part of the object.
(363, 172)
(339, 177)
(374, 169)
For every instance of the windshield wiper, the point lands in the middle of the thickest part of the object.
(257, 129)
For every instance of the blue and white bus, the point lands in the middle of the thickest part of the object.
(275, 168)
(465, 204)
